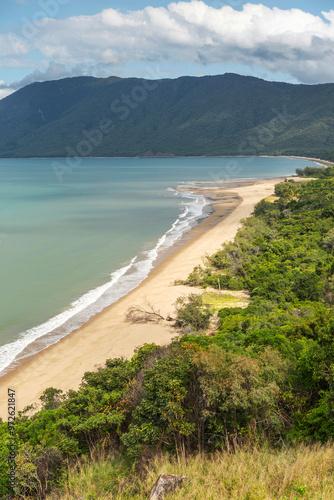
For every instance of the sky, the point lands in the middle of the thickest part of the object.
(278, 40)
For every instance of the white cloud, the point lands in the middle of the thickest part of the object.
(53, 71)
(5, 90)
(287, 41)
(109, 56)
(12, 45)
(5, 93)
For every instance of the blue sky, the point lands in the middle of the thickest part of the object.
(282, 40)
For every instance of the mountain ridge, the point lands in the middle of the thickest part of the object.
(210, 115)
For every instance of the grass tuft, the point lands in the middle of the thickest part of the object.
(260, 474)
(272, 198)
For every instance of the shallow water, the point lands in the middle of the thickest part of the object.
(74, 240)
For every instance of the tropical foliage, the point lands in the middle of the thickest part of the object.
(320, 172)
(267, 375)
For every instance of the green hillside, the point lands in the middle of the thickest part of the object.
(259, 387)
(212, 115)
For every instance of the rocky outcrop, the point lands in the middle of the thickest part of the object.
(165, 484)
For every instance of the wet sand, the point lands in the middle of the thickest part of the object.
(108, 334)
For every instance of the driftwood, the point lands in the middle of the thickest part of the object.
(165, 484)
(143, 314)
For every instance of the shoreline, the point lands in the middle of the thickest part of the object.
(125, 276)
(107, 334)
(65, 322)
(168, 157)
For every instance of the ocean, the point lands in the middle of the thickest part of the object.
(75, 237)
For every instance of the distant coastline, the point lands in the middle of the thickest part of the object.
(168, 156)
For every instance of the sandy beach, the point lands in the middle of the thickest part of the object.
(108, 334)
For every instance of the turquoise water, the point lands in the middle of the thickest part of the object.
(74, 240)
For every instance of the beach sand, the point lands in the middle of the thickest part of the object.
(108, 334)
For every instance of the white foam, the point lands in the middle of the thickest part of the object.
(11, 351)
(121, 282)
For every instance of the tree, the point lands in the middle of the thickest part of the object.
(52, 398)
(140, 314)
(240, 392)
(164, 414)
(37, 469)
(190, 312)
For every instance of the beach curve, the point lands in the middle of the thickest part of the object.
(108, 335)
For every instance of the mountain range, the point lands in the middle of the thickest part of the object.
(210, 115)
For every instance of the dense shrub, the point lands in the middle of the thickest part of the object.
(266, 375)
(190, 312)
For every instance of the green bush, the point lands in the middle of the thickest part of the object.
(266, 375)
(190, 312)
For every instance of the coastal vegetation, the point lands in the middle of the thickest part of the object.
(210, 115)
(320, 172)
(255, 399)
(302, 472)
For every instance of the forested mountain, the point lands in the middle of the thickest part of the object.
(211, 115)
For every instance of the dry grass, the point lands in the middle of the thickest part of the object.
(302, 472)
(272, 198)
(258, 475)
(225, 298)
